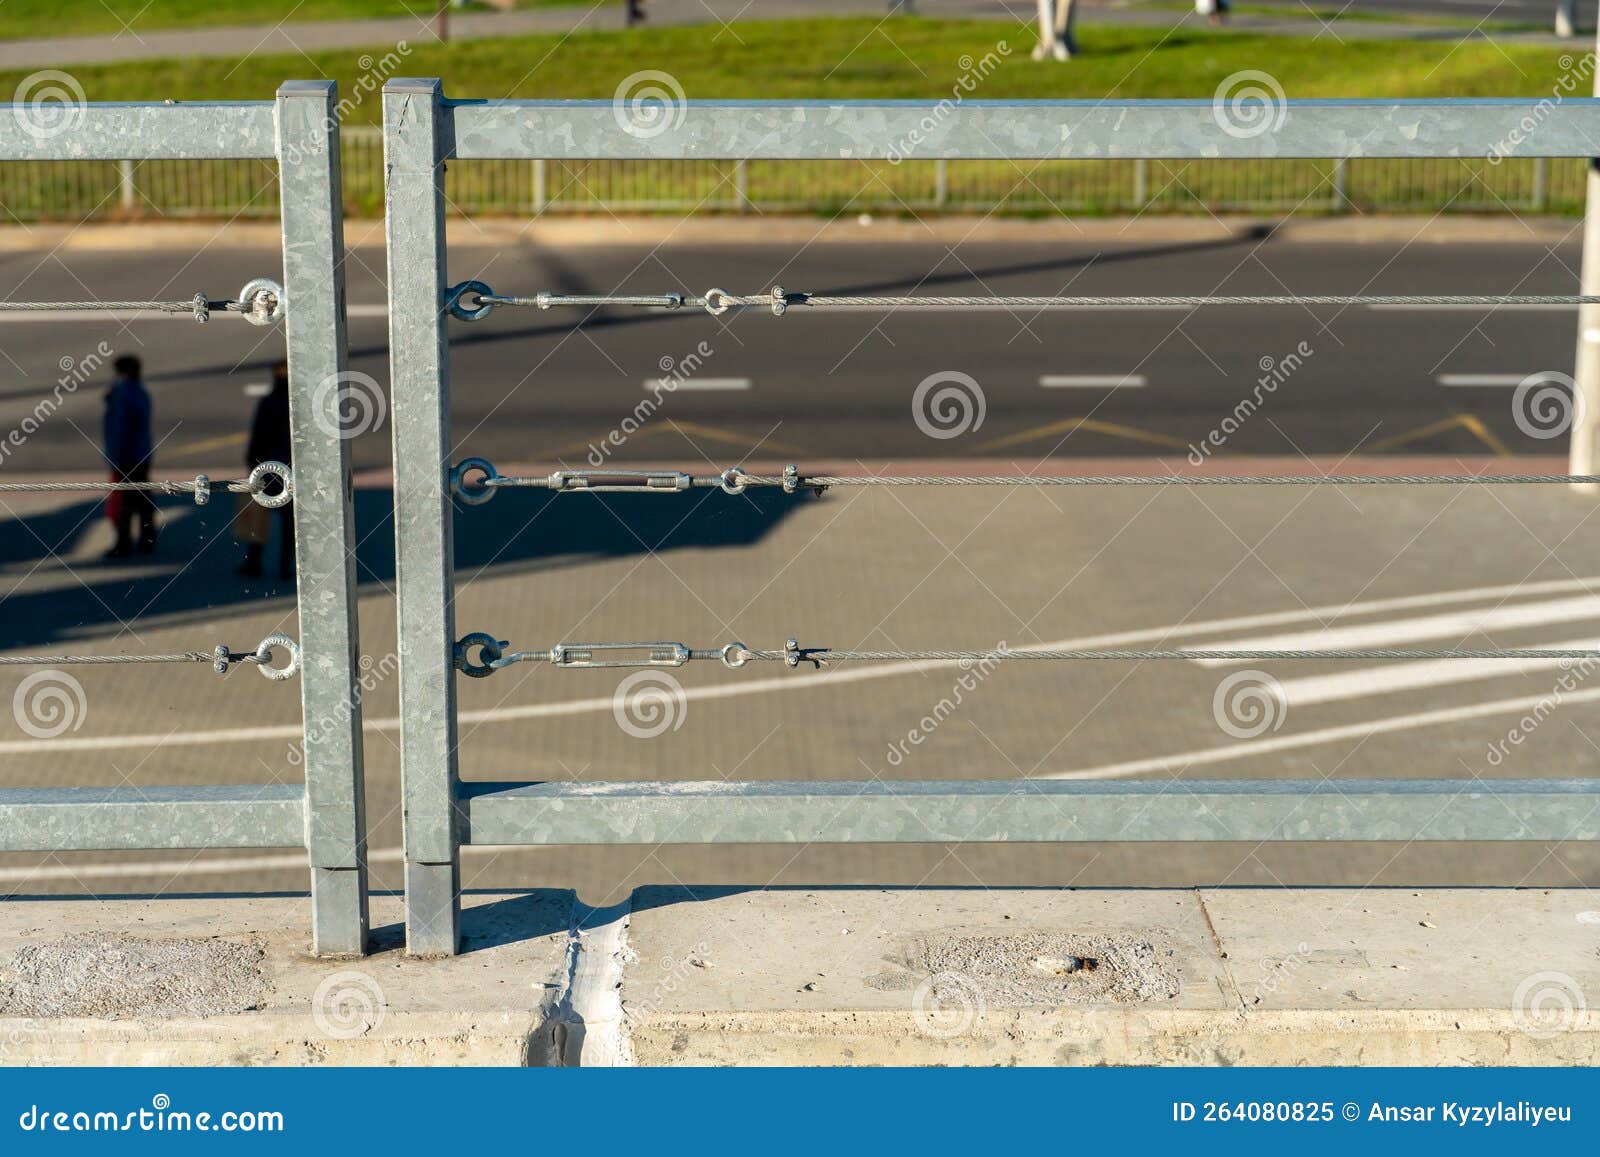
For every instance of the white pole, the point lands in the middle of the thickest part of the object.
(1586, 368)
(1566, 19)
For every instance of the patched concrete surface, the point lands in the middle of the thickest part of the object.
(825, 976)
(228, 980)
(986, 976)
(119, 976)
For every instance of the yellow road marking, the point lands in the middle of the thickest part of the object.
(709, 433)
(1072, 425)
(1467, 422)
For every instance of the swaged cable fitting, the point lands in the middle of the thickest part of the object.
(474, 300)
(221, 658)
(491, 655)
(475, 480)
(202, 486)
(260, 302)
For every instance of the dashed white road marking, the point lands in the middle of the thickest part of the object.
(651, 384)
(1472, 381)
(1093, 381)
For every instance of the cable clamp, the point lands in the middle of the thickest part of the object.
(780, 301)
(202, 489)
(654, 655)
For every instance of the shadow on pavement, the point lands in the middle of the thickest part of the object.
(193, 571)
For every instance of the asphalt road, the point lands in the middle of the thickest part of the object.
(542, 387)
(1417, 566)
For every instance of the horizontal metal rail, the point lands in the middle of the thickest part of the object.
(1155, 129)
(139, 130)
(925, 811)
(60, 819)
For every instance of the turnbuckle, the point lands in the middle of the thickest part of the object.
(624, 481)
(583, 655)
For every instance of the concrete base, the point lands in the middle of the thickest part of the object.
(485, 1007)
(841, 976)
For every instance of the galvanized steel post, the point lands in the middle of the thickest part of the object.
(417, 139)
(324, 518)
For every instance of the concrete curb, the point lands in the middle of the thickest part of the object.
(845, 976)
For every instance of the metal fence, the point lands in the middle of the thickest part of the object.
(423, 131)
(324, 814)
(196, 187)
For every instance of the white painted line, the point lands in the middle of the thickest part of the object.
(1391, 677)
(1268, 744)
(220, 866)
(789, 684)
(1473, 380)
(1093, 381)
(653, 384)
(1451, 625)
(1520, 307)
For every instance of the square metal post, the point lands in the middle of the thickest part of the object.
(324, 516)
(416, 140)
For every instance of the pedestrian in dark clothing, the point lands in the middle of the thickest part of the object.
(128, 448)
(269, 442)
(635, 12)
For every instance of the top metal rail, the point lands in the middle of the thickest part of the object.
(145, 130)
(1086, 129)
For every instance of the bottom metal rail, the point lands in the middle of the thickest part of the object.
(1046, 811)
(83, 819)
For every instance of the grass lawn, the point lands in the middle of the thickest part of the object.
(26, 19)
(855, 58)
